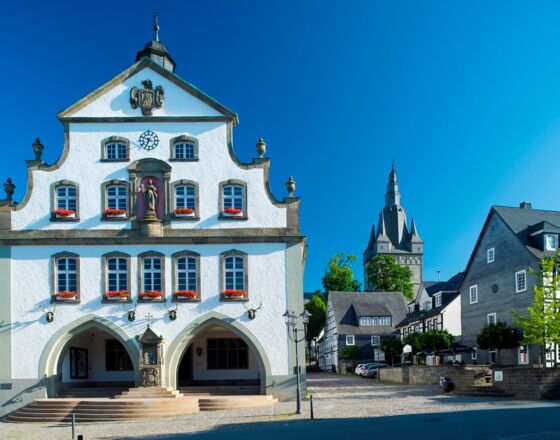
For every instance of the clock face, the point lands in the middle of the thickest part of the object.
(148, 140)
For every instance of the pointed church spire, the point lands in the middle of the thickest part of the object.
(381, 230)
(392, 196)
(414, 235)
(155, 50)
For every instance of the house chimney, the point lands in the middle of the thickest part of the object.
(525, 205)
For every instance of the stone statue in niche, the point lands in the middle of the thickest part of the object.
(150, 192)
(150, 355)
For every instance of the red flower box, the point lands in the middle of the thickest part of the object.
(151, 294)
(117, 294)
(233, 211)
(66, 295)
(115, 212)
(64, 213)
(235, 293)
(184, 211)
(186, 294)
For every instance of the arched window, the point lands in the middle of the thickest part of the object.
(152, 276)
(115, 200)
(185, 193)
(186, 276)
(234, 275)
(65, 201)
(115, 149)
(233, 200)
(116, 276)
(65, 277)
(184, 148)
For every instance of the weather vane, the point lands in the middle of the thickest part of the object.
(156, 23)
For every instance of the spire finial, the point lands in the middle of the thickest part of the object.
(156, 24)
(393, 164)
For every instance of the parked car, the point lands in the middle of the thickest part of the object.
(371, 369)
(360, 367)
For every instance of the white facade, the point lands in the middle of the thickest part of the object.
(34, 351)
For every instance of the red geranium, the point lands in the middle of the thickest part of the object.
(115, 211)
(64, 212)
(232, 211)
(66, 294)
(234, 292)
(184, 211)
(117, 294)
(151, 294)
(186, 293)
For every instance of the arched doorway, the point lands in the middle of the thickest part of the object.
(217, 351)
(89, 356)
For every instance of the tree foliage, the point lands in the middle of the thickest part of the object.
(339, 276)
(392, 347)
(541, 324)
(497, 337)
(350, 353)
(318, 309)
(387, 275)
(434, 340)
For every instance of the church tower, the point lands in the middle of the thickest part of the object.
(393, 236)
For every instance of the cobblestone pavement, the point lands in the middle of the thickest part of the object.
(347, 397)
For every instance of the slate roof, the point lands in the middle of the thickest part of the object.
(348, 306)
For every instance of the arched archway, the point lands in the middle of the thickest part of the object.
(179, 346)
(50, 364)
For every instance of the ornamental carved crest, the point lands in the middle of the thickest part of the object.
(150, 377)
(147, 98)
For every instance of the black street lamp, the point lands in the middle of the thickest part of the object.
(291, 324)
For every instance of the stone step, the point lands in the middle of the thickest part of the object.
(484, 390)
(221, 390)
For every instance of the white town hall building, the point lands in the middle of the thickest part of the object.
(147, 221)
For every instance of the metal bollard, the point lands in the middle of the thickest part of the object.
(73, 426)
(311, 406)
(80, 437)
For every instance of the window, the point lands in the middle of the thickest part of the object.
(117, 274)
(473, 294)
(426, 305)
(116, 197)
(375, 320)
(550, 242)
(490, 255)
(375, 341)
(226, 354)
(64, 201)
(184, 148)
(186, 273)
(185, 197)
(116, 356)
(520, 281)
(491, 319)
(474, 354)
(151, 267)
(365, 320)
(492, 356)
(233, 199)
(66, 197)
(115, 149)
(437, 300)
(234, 278)
(523, 355)
(350, 340)
(65, 277)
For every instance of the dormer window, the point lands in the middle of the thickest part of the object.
(115, 149)
(375, 320)
(550, 242)
(184, 148)
(437, 300)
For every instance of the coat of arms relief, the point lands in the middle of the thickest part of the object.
(147, 98)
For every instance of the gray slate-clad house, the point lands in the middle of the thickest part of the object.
(437, 307)
(360, 319)
(497, 277)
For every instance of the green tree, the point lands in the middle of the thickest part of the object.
(350, 353)
(413, 339)
(435, 340)
(541, 324)
(387, 275)
(339, 276)
(391, 347)
(318, 309)
(497, 337)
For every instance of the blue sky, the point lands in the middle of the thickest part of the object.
(464, 95)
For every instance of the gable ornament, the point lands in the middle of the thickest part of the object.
(147, 98)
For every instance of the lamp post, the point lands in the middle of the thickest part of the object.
(291, 324)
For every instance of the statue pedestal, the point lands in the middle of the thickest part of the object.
(150, 226)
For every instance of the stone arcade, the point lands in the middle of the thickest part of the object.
(147, 221)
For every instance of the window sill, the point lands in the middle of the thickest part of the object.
(194, 159)
(181, 218)
(187, 300)
(115, 302)
(155, 300)
(115, 160)
(227, 217)
(114, 219)
(233, 299)
(65, 219)
(55, 300)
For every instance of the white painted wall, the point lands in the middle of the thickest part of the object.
(31, 287)
(200, 370)
(452, 317)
